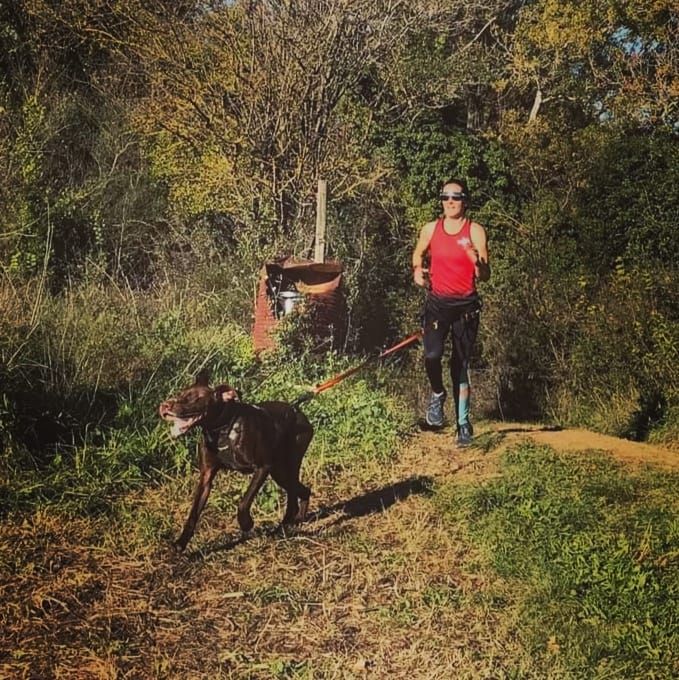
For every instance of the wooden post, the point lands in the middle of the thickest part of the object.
(319, 250)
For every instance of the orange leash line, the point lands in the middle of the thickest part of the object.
(331, 382)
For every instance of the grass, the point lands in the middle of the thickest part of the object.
(529, 565)
(537, 565)
(590, 557)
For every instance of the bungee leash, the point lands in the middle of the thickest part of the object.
(331, 382)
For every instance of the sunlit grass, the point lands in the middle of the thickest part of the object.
(438, 564)
(590, 557)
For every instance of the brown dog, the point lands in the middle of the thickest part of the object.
(267, 438)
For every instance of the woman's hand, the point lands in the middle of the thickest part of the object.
(420, 276)
(472, 254)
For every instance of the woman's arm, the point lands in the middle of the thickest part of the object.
(480, 247)
(421, 247)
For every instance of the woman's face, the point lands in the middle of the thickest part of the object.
(452, 200)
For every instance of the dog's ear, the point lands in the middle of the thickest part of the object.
(226, 393)
(203, 377)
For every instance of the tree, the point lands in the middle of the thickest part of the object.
(609, 60)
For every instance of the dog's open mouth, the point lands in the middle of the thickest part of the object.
(181, 426)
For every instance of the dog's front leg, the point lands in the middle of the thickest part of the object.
(207, 475)
(244, 517)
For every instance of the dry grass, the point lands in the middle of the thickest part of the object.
(373, 584)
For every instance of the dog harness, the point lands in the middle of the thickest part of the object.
(227, 439)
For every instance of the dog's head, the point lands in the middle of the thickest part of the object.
(196, 404)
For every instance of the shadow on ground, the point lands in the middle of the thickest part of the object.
(378, 500)
(529, 428)
(367, 503)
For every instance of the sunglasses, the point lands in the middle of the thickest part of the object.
(453, 196)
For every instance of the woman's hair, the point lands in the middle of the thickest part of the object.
(465, 189)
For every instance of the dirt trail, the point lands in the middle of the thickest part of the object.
(434, 453)
(377, 583)
(637, 453)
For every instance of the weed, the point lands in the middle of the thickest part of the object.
(438, 596)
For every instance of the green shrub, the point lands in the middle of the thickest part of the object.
(624, 361)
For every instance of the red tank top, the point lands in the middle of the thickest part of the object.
(451, 270)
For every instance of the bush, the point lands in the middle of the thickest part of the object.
(624, 361)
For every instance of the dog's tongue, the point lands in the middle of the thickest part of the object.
(180, 426)
(177, 429)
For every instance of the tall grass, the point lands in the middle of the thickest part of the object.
(80, 390)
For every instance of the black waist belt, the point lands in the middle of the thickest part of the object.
(464, 306)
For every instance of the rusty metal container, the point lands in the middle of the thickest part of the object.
(313, 288)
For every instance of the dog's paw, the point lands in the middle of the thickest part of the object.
(171, 552)
(178, 546)
(245, 522)
(302, 513)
